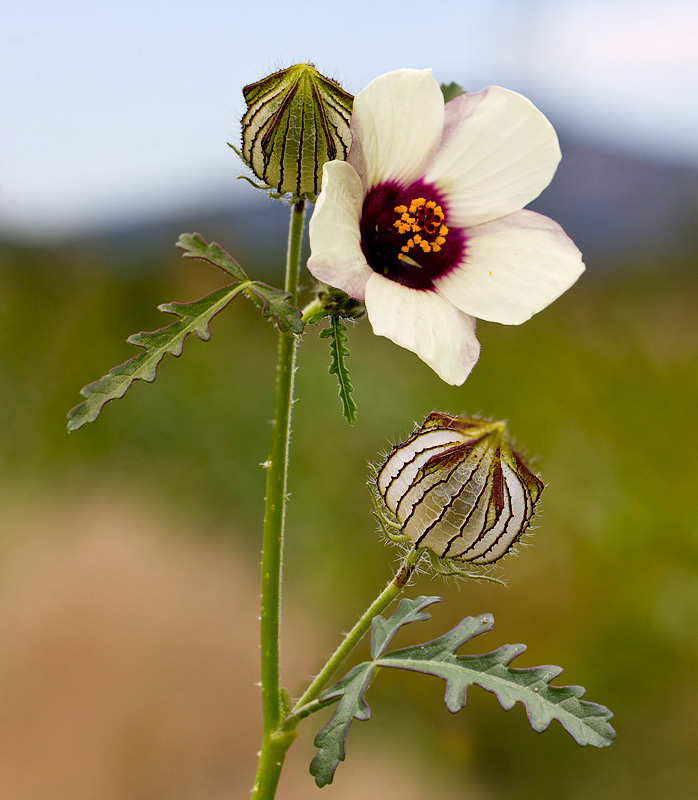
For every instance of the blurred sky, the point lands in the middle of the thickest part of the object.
(117, 109)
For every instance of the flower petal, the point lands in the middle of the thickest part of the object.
(513, 267)
(426, 324)
(497, 154)
(396, 126)
(335, 239)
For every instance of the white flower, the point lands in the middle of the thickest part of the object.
(424, 220)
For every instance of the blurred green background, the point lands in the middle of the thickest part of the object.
(129, 550)
(599, 390)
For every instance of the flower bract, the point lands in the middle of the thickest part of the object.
(296, 120)
(425, 220)
(458, 489)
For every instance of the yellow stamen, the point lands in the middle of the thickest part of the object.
(423, 221)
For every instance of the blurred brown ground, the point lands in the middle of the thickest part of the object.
(129, 662)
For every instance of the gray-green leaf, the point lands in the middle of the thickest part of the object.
(587, 723)
(332, 739)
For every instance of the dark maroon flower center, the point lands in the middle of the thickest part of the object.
(405, 234)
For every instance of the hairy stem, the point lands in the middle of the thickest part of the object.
(384, 599)
(274, 745)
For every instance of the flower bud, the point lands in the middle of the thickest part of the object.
(296, 121)
(456, 488)
(337, 303)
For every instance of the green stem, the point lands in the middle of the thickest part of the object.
(384, 599)
(274, 745)
(277, 744)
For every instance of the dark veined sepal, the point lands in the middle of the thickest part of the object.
(296, 121)
(457, 489)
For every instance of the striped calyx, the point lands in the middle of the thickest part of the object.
(296, 121)
(456, 488)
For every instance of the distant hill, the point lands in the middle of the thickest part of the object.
(611, 203)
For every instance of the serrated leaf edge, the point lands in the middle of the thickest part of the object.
(195, 246)
(148, 360)
(322, 768)
(339, 352)
(539, 703)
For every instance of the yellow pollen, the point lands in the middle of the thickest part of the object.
(423, 221)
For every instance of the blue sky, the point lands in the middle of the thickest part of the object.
(120, 109)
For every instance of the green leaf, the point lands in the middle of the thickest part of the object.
(587, 723)
(274, 305)
(339, 351)
(383, 630)
(273, 302)
(194, 317)
(195, 246)
(332, 739)
(451, 90)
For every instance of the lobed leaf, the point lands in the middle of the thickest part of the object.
(339, 352)
(195, 246)
(273, 302)
(383, 630)
(587, 723)
(332, 739)
(274, 305)
(194, 317)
